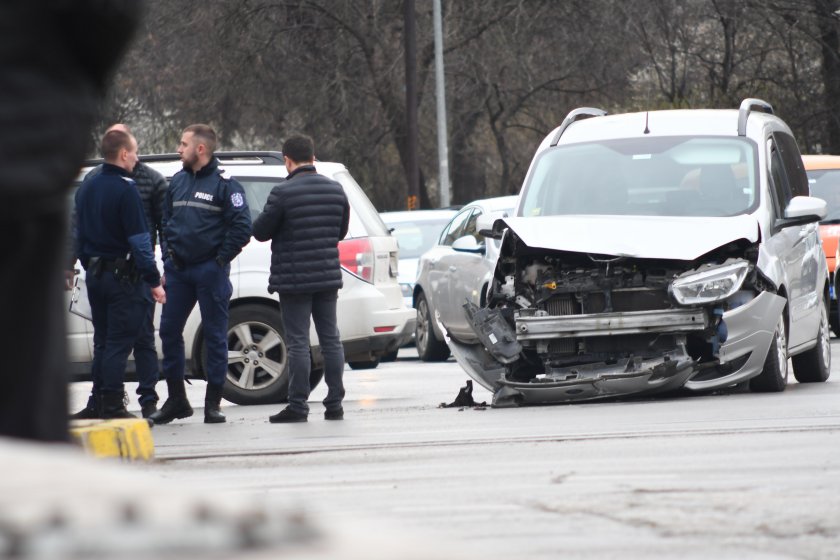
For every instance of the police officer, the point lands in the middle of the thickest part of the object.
(151, 186)
(206, 222)
(112, 242)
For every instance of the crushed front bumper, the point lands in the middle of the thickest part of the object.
(750, 332)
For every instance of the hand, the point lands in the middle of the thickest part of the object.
(159, 294)
(68, 279)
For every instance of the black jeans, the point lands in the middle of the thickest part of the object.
(296, 310)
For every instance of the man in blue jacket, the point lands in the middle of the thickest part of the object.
(151, 186)
(206, 222)
(113, 244)
(305, 217)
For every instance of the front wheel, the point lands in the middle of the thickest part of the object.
(369, 364)
(773, 378)
(814, 365)
(429, 348)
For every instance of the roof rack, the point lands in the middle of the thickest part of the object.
(577, 115)
(244, 157)
(748, 105)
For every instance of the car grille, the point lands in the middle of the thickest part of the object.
(596, 302)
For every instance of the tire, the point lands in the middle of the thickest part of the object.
(814, 365)
(371, 364)
(834, 322)
(390, 356)
(773, 378)
(429, 348)
(266, 379)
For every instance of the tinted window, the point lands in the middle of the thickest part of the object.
(671, 176)
(456, 228)
(256, 193)
(362, 207)
(792, 160)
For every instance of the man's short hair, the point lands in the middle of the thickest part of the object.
(299, 149)
(205, 134)
(113, 142)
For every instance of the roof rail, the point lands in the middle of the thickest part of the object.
(747, 105)
(266, 157)
(577, 115)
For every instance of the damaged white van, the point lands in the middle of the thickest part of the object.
(654, 251)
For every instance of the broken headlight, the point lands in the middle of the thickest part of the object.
(712, 284)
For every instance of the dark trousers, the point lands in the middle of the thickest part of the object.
(296, 310)
(145, 357)
(33, 402)
(118, 309)
(208, 284)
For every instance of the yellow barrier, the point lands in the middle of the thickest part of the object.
(127, 439)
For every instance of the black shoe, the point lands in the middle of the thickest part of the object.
(287, 415)
(148, 408)
(90, 411)
(113, 406)
(336, 414)
(173, 408)
(212, 405)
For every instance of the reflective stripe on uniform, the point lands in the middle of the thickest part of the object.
(197, 205)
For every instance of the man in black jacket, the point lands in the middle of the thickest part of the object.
(305, 217)
(151, 186)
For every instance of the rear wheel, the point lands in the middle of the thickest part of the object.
(429, 348)
(389, 357)
(258, 361)
(773, 378)
(814, 365)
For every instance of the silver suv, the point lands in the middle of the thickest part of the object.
(372, 318)
(653, 251)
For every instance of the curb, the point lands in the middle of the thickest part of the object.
(126, 439)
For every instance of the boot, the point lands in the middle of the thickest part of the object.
(113, 406)
(91, 409)
(176, 405)
(212, 401)
(148, 408)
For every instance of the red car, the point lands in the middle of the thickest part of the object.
(824, 180)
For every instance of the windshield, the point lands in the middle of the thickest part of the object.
(825, 184)
(671, 176)
(417, 237)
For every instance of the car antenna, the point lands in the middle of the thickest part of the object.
(647, 116)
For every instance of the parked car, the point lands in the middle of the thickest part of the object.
(416, 232)
(371, 316)
(456, 269)
(654, 251)
(824, 182)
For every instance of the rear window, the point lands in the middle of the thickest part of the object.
(361, 205)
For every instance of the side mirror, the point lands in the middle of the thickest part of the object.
(468, 244)
(804, 210)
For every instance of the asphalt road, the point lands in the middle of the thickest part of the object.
(736, 475)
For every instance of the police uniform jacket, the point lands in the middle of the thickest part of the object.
(151, 185)
(205, 216)
(110, 223)
(305, 217)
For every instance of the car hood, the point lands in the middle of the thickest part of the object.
(650, 237)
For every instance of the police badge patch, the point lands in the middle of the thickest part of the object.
(237, 200)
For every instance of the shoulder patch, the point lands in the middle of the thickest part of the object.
(237, 200)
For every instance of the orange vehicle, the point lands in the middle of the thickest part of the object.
(824, 181)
